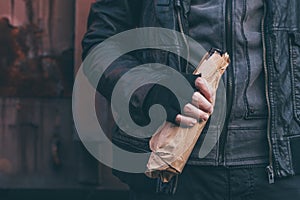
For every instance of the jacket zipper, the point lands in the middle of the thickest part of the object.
(270, 169)
(230, 76)
(229, 88)
(181, 29)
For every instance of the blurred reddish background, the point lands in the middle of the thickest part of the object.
(40, 155)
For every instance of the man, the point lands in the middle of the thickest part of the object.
(256, 156)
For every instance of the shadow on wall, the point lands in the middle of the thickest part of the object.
(24, 71)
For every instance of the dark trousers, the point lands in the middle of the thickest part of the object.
(220, 183)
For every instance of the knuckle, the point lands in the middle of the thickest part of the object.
(187, 108)
(200, 82)
(193, 122)
(209, 109)
(196, 96)
(178, 119)
(206, 117)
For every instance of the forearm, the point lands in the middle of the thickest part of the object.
(106, 19)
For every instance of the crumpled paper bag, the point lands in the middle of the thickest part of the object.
(172, 145)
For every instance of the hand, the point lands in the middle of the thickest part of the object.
(163, 96)
(201, 106)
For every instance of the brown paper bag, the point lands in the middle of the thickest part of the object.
(172, 145)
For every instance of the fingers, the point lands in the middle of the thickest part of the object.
(201, 106)
(185, 120)
(203, 87)
(202, 103)
(191, 116)
(194, 112)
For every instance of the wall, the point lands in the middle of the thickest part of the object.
(37, 45)
(40, 41)
(82, 11)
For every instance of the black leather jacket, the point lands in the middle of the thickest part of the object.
(281, 49)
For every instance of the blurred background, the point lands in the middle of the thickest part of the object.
(40, 155)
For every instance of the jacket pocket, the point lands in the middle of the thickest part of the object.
(295, 72)
(164, 13)
(294, 143)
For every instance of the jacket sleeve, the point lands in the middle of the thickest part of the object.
(108, 18)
